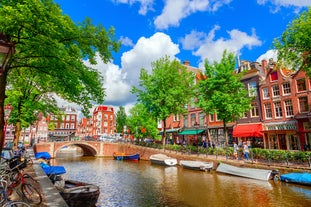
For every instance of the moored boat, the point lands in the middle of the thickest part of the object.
(196, 165)
(259, 174)
(162, 159)
(298, 178)
(77, 193)
(123, 156)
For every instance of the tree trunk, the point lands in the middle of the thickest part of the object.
(2, 97)
(226, 135)
(164, 133)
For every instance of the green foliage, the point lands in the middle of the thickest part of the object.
(221, 91)
(121, 119)
(294, 45)
(140, 119)
(166, 90)
(52, 45)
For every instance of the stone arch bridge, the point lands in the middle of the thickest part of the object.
(90, 148)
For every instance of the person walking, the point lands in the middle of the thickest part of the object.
(246, 151)
(235, 150)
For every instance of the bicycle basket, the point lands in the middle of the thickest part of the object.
(17, 163)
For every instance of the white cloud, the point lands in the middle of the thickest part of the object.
(145, 51)
(212, 49)
(126, 41)
(145, 5)
(119, 81)
(277, 4)
(266, 56)
(174, 11)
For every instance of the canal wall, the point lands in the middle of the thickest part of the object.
(104, 149)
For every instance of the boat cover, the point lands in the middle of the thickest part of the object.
(253, 173)
(44, 155)
(302, 178)
(52, 170)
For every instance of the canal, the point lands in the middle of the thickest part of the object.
(141, 184)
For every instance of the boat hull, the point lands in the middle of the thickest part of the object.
(298, 178)
(161, 159)
(196, 165)
(122, 156)
(258, 174)
(77, 193)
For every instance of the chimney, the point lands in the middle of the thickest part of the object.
(187, 62)
(264, 66)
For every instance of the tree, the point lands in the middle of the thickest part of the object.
(121, 118)
(141, 123)
(220, 91)
(50, 43)
(166, 90)
(294, 45)
(29, 94)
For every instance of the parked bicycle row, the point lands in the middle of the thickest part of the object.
(18, 188)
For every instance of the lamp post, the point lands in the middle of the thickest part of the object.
(7, 112)
(196, 126)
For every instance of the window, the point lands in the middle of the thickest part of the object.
(265, 93)
(73, 118)
(186, 121)
(201, 119)
(274, 76)
(278, 109)
(275, 91)
(268, 111)
(67, 117)
(255, 110)
(176, 117)
(193, 119)
(286, 88)
(211, 117)
(72, 126)
(289, 108)
(303, 104)
(301, 84)
(252, 89)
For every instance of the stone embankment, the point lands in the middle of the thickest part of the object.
(52, 197)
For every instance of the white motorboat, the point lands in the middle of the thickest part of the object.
(196, 165)
(162, 159)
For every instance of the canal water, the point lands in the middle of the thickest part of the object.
(142, 184)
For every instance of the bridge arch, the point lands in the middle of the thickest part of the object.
(88, 148)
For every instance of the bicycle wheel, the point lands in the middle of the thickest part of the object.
(31, 194)
(16, 204)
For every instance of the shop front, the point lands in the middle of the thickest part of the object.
(282, 135)
(250, 133)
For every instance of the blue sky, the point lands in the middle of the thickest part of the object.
(192, 30)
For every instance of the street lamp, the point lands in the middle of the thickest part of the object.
(196, 126)
(7, 112)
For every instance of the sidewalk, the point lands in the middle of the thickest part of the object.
(50, 195)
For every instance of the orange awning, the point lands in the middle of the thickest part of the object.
(247, 130)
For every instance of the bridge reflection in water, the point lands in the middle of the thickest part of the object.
(69, 151)
(135, 184)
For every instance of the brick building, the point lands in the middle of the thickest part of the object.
(103, 121)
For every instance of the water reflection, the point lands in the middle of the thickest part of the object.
(140, 183)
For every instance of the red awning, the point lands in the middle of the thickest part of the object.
(247, 130)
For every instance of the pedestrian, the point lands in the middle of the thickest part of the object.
(204, 144)
(246, 151)
(213, 144)
(235, 150)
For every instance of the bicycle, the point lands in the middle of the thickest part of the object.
(4, 198)
(18, 182)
